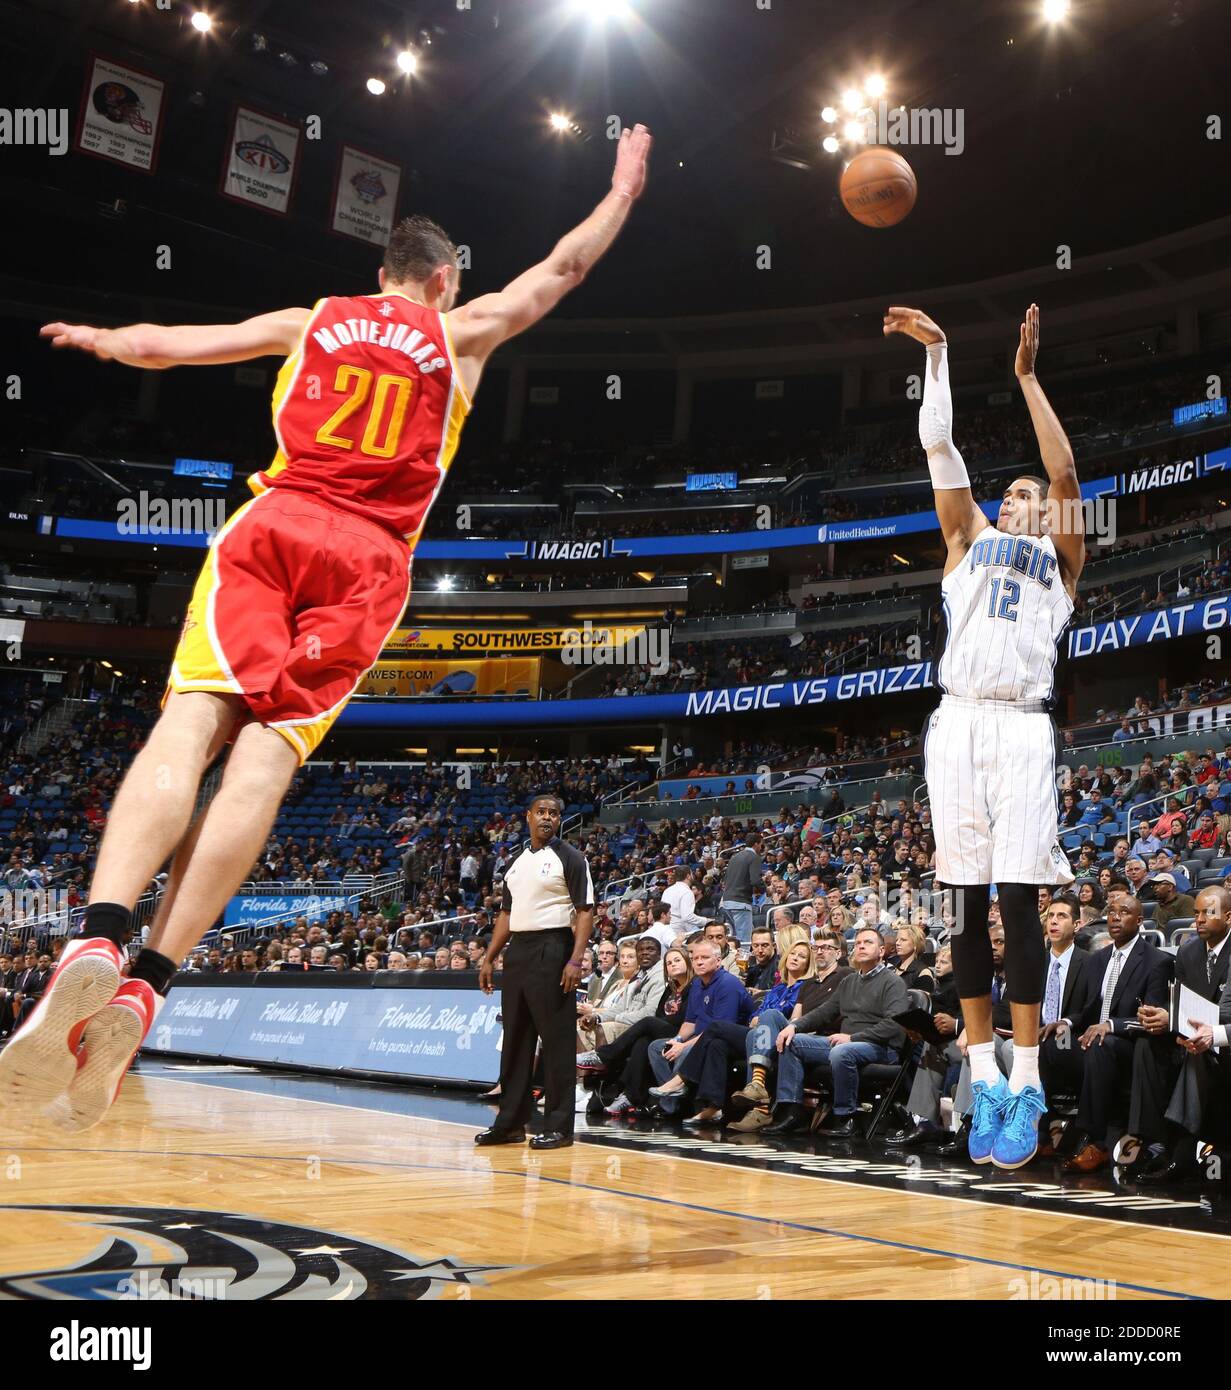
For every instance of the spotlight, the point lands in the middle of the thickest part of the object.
(875, 86)
(852, 100)
(1056, 11)
(855, 131)
(830, 144)
(201, 22)
(559, 121)
(444, 584)
(407, 60)
(376, 86)
(829, 114)
(602, 9)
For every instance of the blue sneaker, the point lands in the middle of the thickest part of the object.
(986, 1116)
(1018, 1140)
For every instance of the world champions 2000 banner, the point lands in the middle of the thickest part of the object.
(388, 1022)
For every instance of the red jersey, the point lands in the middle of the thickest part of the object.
(368, 410)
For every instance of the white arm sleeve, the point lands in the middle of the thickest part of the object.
(936, 423)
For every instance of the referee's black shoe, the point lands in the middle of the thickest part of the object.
(551, 1139)
(500, 1136)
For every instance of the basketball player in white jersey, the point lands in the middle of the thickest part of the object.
(990, 749)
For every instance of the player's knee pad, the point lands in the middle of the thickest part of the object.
(1025, 954)
(970, 944)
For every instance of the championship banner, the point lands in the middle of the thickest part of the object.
(498, 641)
(262, 161)
(365, 196)
(502, 676)
(121, 114)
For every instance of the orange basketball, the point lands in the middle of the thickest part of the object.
(878, 187)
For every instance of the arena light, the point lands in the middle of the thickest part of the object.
(376, 86)
(852, 100)
(444, 584)
(202, 22)
(829, 115)
(831, 144)
(855, 131)
(559, 121)
(875, 86)
(407, 61)
(1056, 11)
(601, 10)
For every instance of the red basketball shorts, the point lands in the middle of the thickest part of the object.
(294, 603)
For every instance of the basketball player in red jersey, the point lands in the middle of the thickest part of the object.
(298, 594)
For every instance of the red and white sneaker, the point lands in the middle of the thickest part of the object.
(41, 1059)
(108, 1045)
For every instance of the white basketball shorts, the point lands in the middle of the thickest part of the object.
(990, 767)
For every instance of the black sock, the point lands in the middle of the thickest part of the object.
(107, 919)
(157, 971)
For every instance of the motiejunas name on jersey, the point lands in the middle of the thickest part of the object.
(397, 337)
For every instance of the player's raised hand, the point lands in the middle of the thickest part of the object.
(632, 156)
(77, 335)
(914, 323)
(1028, 344)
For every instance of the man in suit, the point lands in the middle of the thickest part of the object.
(1201, 963)
(8, 982)
(1200, 1103)
(31, 985)
(1095, 1055)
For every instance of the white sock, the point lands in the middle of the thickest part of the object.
(1025, 1069)
(983, 1063)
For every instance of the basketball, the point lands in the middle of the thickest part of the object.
(878, 187)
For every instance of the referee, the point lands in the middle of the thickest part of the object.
(546, 916)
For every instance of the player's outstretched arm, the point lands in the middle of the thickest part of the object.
(155, 345)
(960, 518)
(1066, 524)
(479, 327)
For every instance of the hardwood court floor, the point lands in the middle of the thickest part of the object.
(278, 1195)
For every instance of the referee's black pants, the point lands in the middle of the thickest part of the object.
(534, 1007)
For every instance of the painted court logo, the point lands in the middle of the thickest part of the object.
(167, 1253)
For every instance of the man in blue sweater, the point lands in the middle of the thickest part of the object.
(714, 994)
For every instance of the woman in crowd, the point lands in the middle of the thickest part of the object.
(908, 959)
(626, 1062)
(638, 998)
(371, 961)
(707, 1064)
(760, 1045)
(1091, 894)
(592, 1018)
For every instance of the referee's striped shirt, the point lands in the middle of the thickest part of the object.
(544, 887)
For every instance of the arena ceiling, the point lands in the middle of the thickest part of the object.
(1092, 135)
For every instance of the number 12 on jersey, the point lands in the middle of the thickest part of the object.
(1006, 594)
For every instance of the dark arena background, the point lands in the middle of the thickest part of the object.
(682, 571)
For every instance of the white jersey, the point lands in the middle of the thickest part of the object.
(1005, 609)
